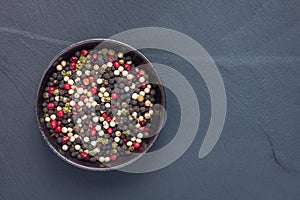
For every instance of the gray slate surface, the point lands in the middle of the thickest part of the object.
(256, 46)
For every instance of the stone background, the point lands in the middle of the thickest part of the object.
(256, 47)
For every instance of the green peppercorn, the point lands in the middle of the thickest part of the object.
(104, 51)
(78, 66)
(65, 99)
(126, 133)
(107, 99)
(92, 153)
(68, 73)
(65, 109)
(111, 52)
(114, 145)
(88, 66)
(124, 111)
(82, 59)
(114, 151)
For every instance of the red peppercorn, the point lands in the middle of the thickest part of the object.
(50, 106)
(108, 119)
(144, 85)
(65, 139)
(137, 76)
(112, 106)
(114, 95)
(109, 130)
(51, 89)
(58, 129)
(95, 56)
(84, 155)
(60, 113)
(142, 123)
(125, 140)
(84, 52)
(136, 145)
(67, 86)
(59, 123)
(93, 90)
(113, 157)
(53, 124)
(72, 65)
(127, 67)
(110, 58)
(73, 59)
(104, 115)
(74, 112)
(116, 64)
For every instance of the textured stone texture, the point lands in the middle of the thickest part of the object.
(256, 46)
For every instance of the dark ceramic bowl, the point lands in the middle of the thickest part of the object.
(139, 60)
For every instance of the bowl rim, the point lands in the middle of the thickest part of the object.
(50, 64)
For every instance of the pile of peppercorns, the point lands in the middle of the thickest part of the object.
(98, 105)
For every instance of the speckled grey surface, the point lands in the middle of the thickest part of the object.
(256, 47)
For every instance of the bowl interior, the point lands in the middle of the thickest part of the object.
(140, 61)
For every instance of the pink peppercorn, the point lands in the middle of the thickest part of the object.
(109, 130)
(113, 157)
(60, 113)
(67, 86)
(110, 58)
(73, 59)
(58, 129)
(108, 119)
(84, 155)
(136, 145)
(51, 89)
(116, 64)
(65, 139)
(114, 96)
(53, 124)
(144, 85)
(127, 67)
(95, 56)
(50, 106)
(72, 66)
(91, 79)
(93, 90)
(93, 132)
(84, 52)
(142, 123)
